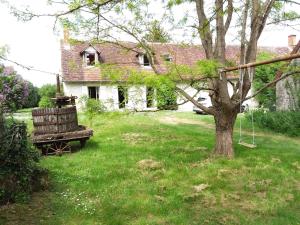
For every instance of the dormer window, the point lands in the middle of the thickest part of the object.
(167, 58)
(90, 59)
(144, 60)
(90, 56)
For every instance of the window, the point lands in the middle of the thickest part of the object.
(150, 97)
(90, 59)
(90, 56)
(167, 58)
(93, 92)
(144, 60)
(123, 96)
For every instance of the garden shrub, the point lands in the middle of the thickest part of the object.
(166, 98)
(91, 107)
(20, 172)
(46, 102)
(284, 122)
(47, 92)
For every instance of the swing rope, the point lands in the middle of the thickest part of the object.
(241, 86)
(250, 74)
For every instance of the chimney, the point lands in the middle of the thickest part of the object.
(292, 41)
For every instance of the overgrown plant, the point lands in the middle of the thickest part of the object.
(91, 107)
(284, 122)
(47, 92)
(20, 172)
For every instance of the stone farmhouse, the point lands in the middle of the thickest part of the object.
(82, 78)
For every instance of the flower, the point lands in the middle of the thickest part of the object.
(8, 70)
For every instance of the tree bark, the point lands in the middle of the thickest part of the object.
(224, 132)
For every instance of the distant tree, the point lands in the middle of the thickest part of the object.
(47, 92)
(156, 33)
(33, 96)
(13, 89)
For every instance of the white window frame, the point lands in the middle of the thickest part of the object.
(142, 63)
(97, 92)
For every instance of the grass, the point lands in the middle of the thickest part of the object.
(104, 184)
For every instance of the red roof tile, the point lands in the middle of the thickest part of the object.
(74, 70)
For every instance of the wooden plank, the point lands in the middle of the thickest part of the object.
(254, 64)
(248, 145)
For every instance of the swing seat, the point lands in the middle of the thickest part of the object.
(248, 145)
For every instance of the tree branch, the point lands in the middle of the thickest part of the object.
(229, 15)
(31, 15)
(196, 103)
(204, 29)
(267, 9)
(289, 1)
(271, 83)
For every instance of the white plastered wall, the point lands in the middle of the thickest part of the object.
(137, 98)
(108, 94)
(188, 107)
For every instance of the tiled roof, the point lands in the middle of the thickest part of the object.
(74, 70)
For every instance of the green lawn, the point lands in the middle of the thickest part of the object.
(106, 182)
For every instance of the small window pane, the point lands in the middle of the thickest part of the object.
(123, 96)
(146, 61)
(93, 92)
(90, 59)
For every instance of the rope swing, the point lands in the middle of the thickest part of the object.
(241, 78)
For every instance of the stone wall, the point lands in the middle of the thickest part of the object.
(286, 97)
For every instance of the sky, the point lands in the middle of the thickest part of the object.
(35, 44)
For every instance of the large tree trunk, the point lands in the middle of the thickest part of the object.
(224, 133)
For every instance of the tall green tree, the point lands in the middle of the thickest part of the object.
(156, 33)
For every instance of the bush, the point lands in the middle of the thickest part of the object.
(47, 92)
(20, 172)
(91, 107)
(33, 96)
(282, 121)
(46, 102)
(166, 98)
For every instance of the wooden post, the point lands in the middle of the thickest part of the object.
(254, 64)
(57, 85)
